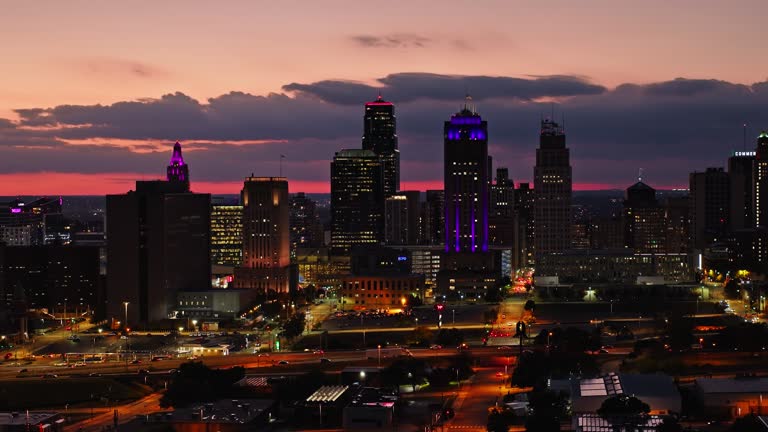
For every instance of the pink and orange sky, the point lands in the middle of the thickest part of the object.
(93, 94)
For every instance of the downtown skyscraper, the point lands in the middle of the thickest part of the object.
(466, 182)
(552, 188)
(380, 137)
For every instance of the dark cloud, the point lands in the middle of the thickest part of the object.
(668, 128)
(407, 87)
(398, 40)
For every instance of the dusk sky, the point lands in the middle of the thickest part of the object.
(94, 94)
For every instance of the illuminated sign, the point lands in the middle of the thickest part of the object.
(744, 153)
(402, 258)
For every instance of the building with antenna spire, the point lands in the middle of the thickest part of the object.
(178, 170)
(380, 137)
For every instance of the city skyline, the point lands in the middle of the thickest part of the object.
(92, 116)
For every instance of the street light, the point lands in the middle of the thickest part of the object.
(379, 355)
(194, 325)
(126, 313)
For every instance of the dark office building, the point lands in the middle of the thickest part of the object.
(552, 191)
(643, 220)
(306, 229)
(741, 166)
(524, 200)
(433, 218)
(158, 243)
(709, 204)
(760, 177)
(466, 182)
(266, 239)
(401, 218)
(380, 137)
(65, 280)
(677, 222)
(357, 199)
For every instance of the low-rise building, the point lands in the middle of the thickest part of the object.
(614, 266)
(226, 415)
(31, 420)
(732, 396)
(386, 291)
(658, 391)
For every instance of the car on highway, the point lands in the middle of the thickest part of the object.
(504, 347)
(436, 347)
(499, 374)
(142, 372)
(283, 362)
(325, 360)
(318, 351)
(23, 370)
(50, 376)
(137, 361)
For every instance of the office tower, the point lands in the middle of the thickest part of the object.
(466, 181)
(66, 280)
(503, 194)
(709, 203)
(266, 240)
(433, 218)
(177, 170)
(227, 234)
(380, 137)
(401, 218)
(306, 229)
(357, 199)
(741, 167)
(33, 223)
(643, 220)
(524, 200)
(158, 243)
(581, 227)
(552, 191)
(761, 181)
(677, 222)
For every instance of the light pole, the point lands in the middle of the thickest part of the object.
(379, 355)
(363, 327)
(453, 316)
(126, 313)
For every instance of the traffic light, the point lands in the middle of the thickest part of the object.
(439, 307)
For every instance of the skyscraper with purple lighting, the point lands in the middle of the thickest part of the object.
(466, 181)
(178, 171)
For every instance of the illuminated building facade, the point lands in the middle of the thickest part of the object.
(524, 199)
(552, 180)
(432, 224)
(177, 170)
(357, 199)
(380, 137)
(227, 235)
(266, 245)
(401, 218)
(33, 223)
(466, 182)
(380, 291)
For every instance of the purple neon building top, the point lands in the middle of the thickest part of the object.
(178, 171)
(466, 181)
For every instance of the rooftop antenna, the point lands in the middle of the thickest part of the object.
(552, 108)
(640, 175)
(744, 140)
(282, 156)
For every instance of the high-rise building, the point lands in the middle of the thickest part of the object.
(677, 222)
(401, 218)
(741, 166)
(227, 234)
(760, 176)
(158, 243)
(524, 200)
(33, 223)
(552, 190)
(503, 194)
(178, 171)
(581, 227)
(357, 199)
(643, 220)
(433, 218)
(380, 137)
(466, 182)
(266, 240)
(709, 203)
(306, 228)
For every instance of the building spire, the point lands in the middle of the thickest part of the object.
(178, 171)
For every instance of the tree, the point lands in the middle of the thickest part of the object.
(499, 419)
(731, 290)
(449, 337)
(295, 326)
(547, 410)
(530, 305)
(413, 301)
(490, 316)
(680, 334)
(421, 336)
(493, 295)
(624, 410)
